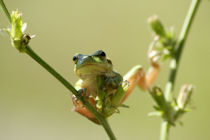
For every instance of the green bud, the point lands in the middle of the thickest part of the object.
(157, 26)
(159, 97)
(18, 38)
(184, 96)
(16, 25)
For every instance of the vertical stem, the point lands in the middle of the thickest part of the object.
(165, 127)
(180, 45)
(175, 61)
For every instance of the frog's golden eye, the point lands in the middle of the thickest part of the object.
(75, 58)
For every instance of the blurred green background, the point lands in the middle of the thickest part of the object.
(35, 106)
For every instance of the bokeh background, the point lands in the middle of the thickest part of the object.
(35, 106)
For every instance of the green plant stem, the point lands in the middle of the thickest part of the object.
(39, 60)
(174, 64)
(165, 127)
(5, 10)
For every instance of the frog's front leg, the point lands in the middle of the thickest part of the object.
(137, 76)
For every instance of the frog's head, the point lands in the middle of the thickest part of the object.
(96, 63)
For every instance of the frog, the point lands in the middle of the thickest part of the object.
(103, 86)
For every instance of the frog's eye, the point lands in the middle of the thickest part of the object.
(75, 58)
(102, 53)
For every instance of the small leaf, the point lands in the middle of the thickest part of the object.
(23, 29)
(125, 106)
(184, 96)
(156, 113)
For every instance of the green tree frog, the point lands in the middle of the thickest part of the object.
(103, 87)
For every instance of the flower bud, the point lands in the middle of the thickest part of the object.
(184, 96)
(159, 97)
(18, 38)
(157, 26)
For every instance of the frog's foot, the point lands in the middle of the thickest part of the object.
(81, 109)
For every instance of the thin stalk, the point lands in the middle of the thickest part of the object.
(39, 60)
(45, 65)
(174, 64)
(5, 10)
(165, 127)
